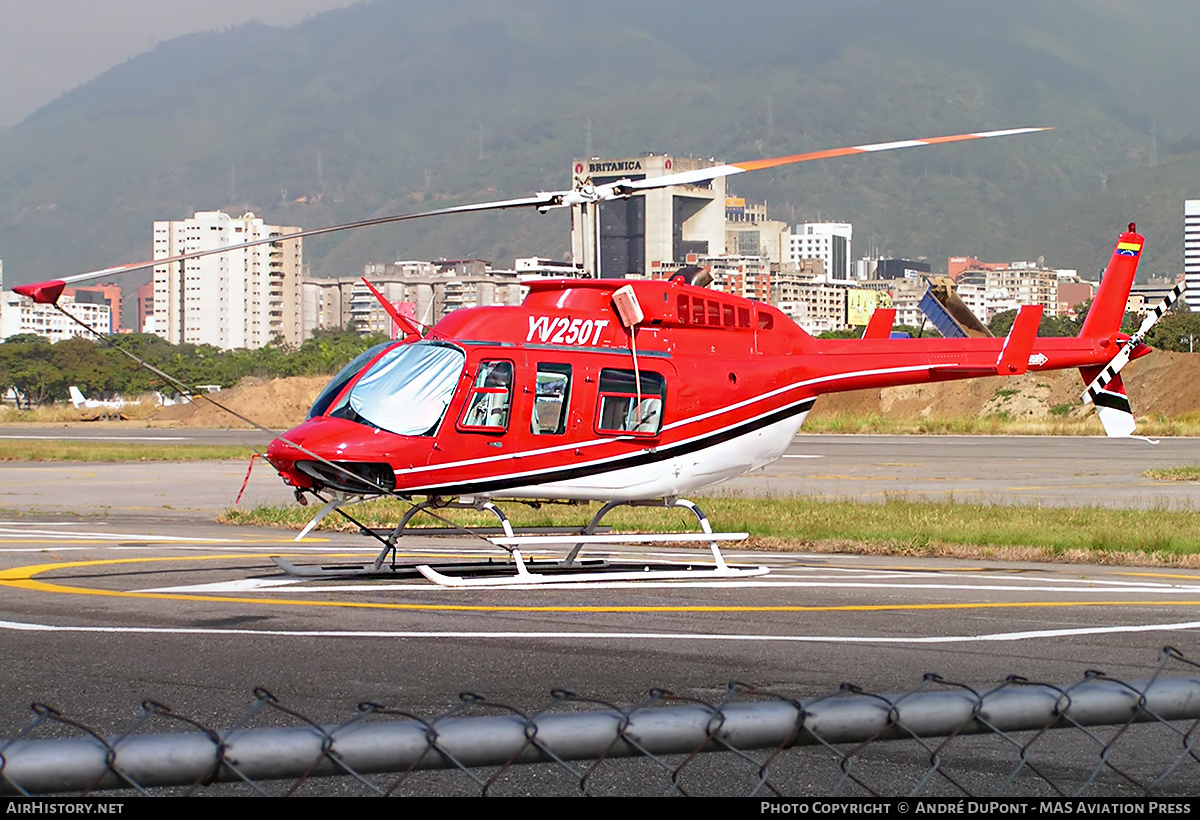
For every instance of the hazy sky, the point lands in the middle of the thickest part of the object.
(48, 47)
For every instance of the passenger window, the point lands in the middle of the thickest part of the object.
(491, 396)
(622, 410)
(552, 399)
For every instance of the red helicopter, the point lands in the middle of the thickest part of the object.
(628, 392)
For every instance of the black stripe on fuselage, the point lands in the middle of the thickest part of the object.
(647, 456)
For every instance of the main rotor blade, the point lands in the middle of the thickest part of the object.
(48, 292)
(707, 174)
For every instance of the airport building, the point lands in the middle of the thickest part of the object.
(662, 225)
(242, 299)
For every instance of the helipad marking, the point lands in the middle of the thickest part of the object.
(25, 578)
(250, 585)
(240, 585)
(17, 626)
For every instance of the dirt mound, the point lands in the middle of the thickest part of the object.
(1162, 383)
(275, 403)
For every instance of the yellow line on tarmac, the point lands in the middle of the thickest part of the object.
(1193, 577)
(24, 578)
(51, 543)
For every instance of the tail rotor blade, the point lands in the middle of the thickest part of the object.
(1118, 362)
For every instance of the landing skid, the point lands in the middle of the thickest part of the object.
(519, 571)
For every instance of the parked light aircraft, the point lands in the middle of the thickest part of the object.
(78, 400)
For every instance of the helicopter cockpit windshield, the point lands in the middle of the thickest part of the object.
(406, 391)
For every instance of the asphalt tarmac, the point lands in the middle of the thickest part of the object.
(115, 588)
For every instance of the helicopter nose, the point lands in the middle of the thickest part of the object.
(316, 455)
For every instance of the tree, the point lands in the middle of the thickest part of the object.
(1129, 324)
(1002, 323)
(1178, 330)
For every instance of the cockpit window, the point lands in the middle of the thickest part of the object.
(407, 391)
(335, 387)
(491, 396)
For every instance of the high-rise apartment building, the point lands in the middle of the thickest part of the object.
(827, 241)
(109, 294)
(1191, 253)
(241, 299)
(19, 314)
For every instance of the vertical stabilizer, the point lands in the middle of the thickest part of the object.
(1108, 308)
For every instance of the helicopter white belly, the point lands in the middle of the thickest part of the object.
(672, 476)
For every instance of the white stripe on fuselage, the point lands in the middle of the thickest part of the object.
(673, 425)
(674, 475)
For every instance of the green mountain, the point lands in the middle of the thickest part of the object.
(388, 107)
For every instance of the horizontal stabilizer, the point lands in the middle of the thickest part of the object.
(1014, 356)
(879, 326)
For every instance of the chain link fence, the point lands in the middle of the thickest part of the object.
(1098, 736)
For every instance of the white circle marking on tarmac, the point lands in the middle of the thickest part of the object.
(17, 626)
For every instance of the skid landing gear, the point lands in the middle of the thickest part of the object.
(571, 569)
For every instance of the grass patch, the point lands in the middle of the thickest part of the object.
(48, 450)
(55, 413)
(1175, 474)
(897, 526)
(1059, 423)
